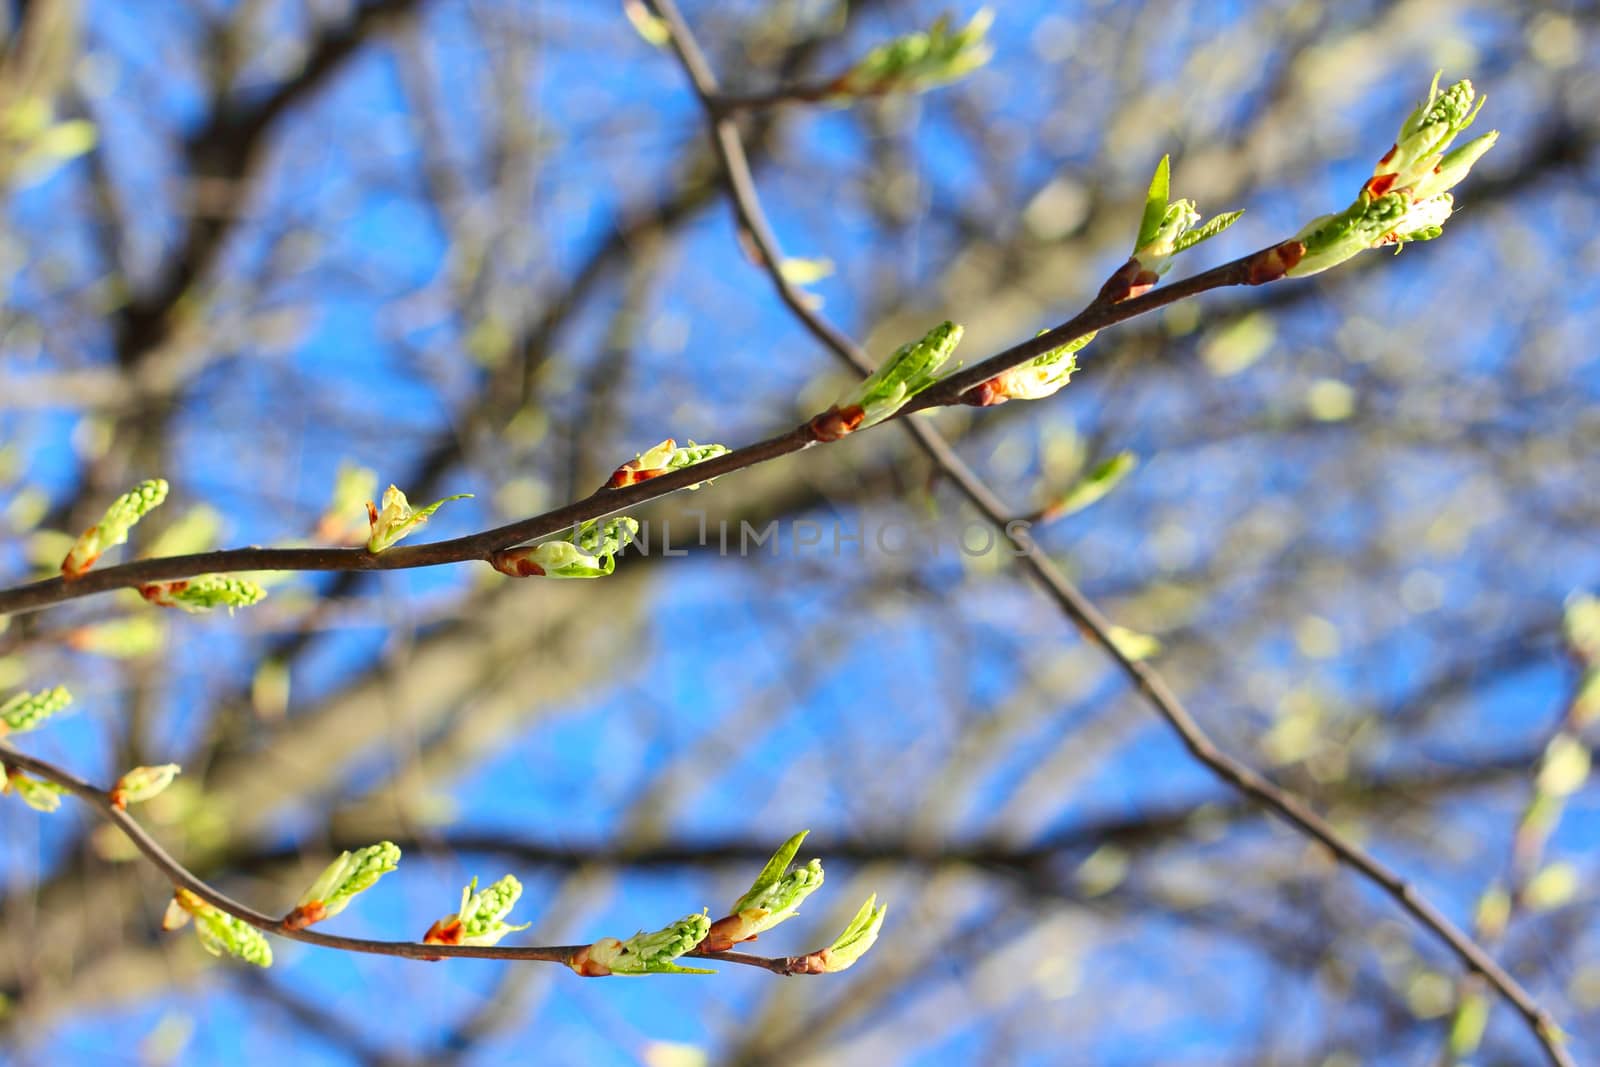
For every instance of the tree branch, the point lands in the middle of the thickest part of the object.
(1072, 602)
(182, 878)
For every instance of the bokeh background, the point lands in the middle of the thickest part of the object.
(480, 246)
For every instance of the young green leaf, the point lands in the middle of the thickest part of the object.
(1155, 202)
(920, 61)
(859, 936)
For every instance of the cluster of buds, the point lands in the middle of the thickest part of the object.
(142, 784)
(340, 881)
(219, 933)
(26, 711)
(205, 593)
(663, 459)
(919, 61)
(1406, 199)
(398, 518)
(34, 792)
(913, 368)
(113, 528)
(590, 552)
(1036, 379)
(655, 952)
(773, 898)
(480, 918)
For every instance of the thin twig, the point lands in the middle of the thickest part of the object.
(479, 546)
(1072, 602)
(181, 877)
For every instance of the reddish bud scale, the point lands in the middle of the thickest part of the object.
(1129, 280)
(627, 475)
(1274, 263)
(1380, 184)
(724, 934)
(159, 592)
(443, 932)
(516, 566)
(630, 472)
(812, 963)
(305, 914)
(71, 573)
(580, 962)
(836, 423)
(987, 394)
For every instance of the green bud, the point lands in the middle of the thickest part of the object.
(1580, 624)
(1565, 766)
(913, 367)
(1423, 221)
(26, 711)
(589, 553)
(479, 920)
(774, 898)
(859, 936)
(1333, 239)
(205, 593)
(113, 528)
(1036, 379)
(1454, 167)
(36, 793)
(143, 783)
(398, 518)
(341, 880)
(1472, 1017)
(1093, 486)
(222, 934)
(644, 953)
(662, 459)
(920, 61)
(1407, 198)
